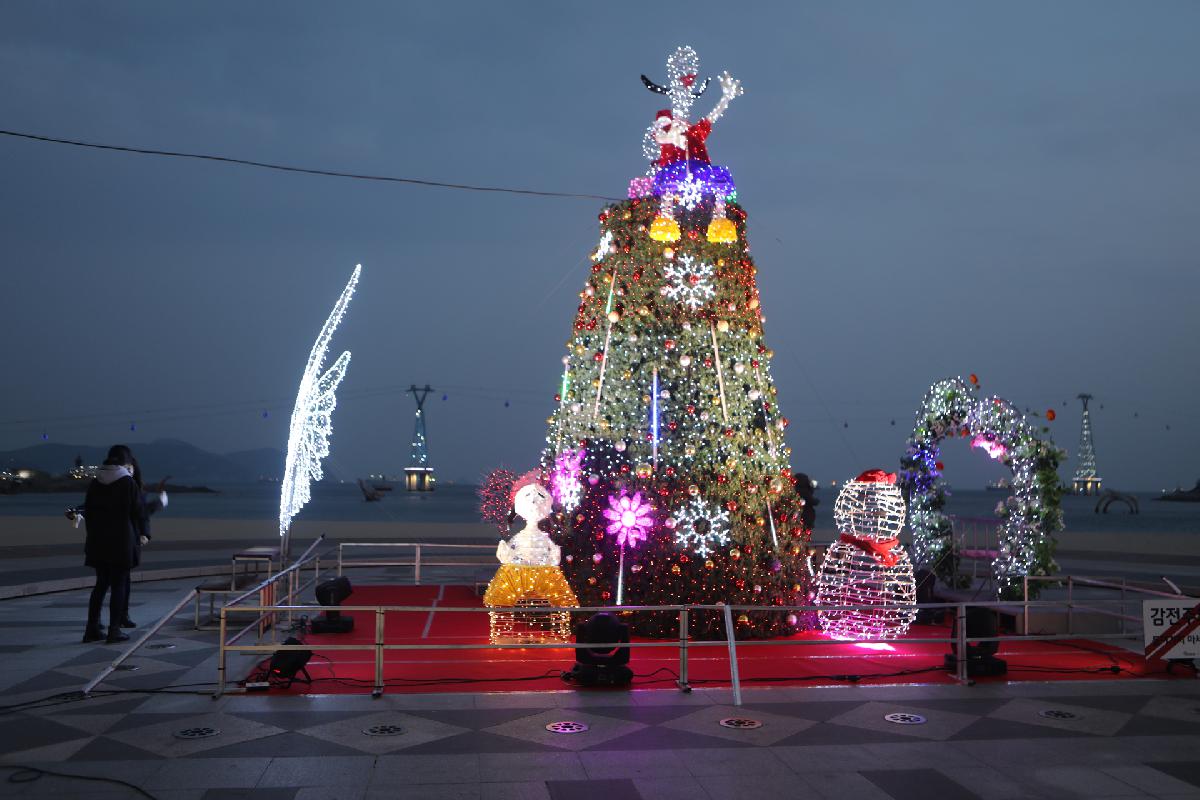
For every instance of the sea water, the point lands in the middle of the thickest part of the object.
(458, 503)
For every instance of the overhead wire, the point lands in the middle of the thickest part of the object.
(330, 173)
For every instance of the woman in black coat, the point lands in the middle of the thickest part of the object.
(115, 516)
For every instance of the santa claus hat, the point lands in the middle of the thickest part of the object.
(877, 476)
(666, 112)
(528, 479)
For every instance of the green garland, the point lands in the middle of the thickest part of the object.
(1029, 517)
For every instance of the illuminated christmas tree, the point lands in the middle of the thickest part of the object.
(666, 450)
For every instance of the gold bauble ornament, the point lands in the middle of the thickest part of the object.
(613, 316)
(723, 325)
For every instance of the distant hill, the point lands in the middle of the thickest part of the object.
(184, 462)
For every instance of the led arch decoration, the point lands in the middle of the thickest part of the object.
(1029, 516)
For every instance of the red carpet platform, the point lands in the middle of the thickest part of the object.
(824, 662)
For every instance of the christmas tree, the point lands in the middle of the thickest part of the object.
(666, 450)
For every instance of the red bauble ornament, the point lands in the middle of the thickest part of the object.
(1050, 414)
(974, 379)
(939, 466)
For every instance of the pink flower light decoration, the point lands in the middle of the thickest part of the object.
(565, 482)
(630, 518)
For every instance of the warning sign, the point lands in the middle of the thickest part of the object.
(1172, 627)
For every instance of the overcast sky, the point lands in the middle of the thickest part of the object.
(933, 189)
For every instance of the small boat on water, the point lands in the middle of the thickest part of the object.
(370, 494)
(1183, 495)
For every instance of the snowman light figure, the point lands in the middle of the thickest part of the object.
(866, 566)
(530, 546)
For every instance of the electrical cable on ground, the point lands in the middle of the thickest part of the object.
(23, 774)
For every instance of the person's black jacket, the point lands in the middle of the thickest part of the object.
(115, 516)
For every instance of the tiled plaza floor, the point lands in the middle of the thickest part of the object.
(1100, 739)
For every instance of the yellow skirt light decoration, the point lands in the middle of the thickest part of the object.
(517, 592)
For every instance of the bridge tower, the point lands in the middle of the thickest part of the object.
(418, 475)
(1087, 480)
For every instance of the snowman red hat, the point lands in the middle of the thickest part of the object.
(876, 476)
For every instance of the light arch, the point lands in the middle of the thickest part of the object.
(1032, 513)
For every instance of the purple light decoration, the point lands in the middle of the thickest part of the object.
(992, 447)
(630, 519)
(713, 178)
(654, 417)
(565, 482)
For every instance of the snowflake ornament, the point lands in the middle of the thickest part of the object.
(605, 247)
(690, 281)
(702, 527)
(691, 192)
(630, 517)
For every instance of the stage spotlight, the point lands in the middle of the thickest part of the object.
(332, 593)
(605, 665)
(981, 656)
(286, 663)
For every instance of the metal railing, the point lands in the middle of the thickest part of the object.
(293, 590)
(975, 539)
(417, 560)
(1070, 582)
(379, 646)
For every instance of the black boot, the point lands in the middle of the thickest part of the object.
(128, 623)
(92, 634)
(115, 635)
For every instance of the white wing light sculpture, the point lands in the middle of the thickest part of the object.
(312, 418)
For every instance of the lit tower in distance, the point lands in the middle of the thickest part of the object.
(1087, 481)
(418, 475)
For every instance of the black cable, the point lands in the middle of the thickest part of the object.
(23, 774)
(305, 170)
(77, 696)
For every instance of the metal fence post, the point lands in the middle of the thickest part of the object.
(1070, 600)
(961, 672)
(339, 559)
(221, 658)
(683, 650)
(1122, 605)
(378, 653)
(417, 564)
(1025, 604)
(733, 665)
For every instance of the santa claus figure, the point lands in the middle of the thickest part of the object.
(866, 566)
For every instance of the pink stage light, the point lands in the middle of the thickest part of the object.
(990, 446)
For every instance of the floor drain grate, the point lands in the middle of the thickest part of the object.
(567, 726)
(740, 723)
(160, 646)
(904, 718)
(1057, 713)
(383, 730)
(197, 733)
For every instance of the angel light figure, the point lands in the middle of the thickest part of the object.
(530, 546)
(867, 566)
